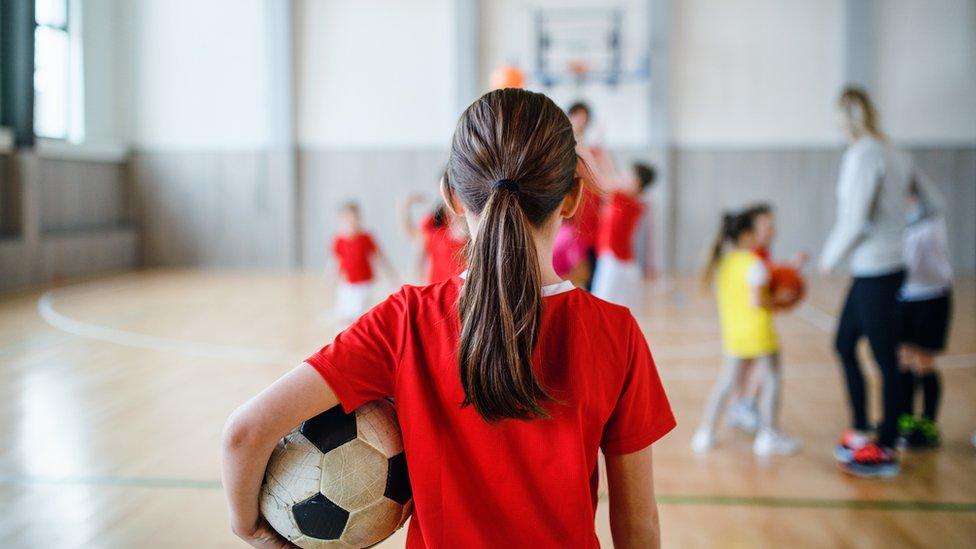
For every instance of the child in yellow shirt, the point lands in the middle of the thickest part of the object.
(749, 338)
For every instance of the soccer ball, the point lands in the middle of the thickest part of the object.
(339, 480)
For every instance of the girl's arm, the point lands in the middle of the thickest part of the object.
(860, 182)
(387, 265)
(782, 300)
(633, 508)
(407, 224)
(249, 438)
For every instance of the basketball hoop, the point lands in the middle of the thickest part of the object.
(583, 45)
(579, 69)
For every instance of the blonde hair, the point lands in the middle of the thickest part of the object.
(859, 112)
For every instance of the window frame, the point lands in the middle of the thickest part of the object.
(66, 29)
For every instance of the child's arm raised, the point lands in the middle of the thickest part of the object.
(249, 438)
(633, 507)
(407, 224)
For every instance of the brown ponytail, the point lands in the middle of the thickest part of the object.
(715, 251)
(513, 160)
(733, 225)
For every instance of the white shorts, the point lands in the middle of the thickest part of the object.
(618, 281)
(352, 299)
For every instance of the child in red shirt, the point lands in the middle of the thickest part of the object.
(443, 237)
(618, 276)
(503, 395)
(354, 250)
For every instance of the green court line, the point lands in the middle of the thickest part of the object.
(663, 499)
(818, 503)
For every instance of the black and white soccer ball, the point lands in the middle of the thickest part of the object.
(339, 480)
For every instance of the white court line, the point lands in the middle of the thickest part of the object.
(705, 350)
(45, 308)
(817, 316)
(812, 370)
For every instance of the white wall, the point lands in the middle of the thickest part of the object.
(925, 69)
(375, 74)
(100, 52)
(755, 72)
(195, 74)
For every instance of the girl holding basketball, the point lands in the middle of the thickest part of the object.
(746, 307)
(504, 397)
(743, 412)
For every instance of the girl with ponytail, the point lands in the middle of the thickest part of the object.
(504, 393)
(749, 339)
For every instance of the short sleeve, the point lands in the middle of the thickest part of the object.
(335, 247)
(371, 244)
(360, 364)
(427, 225)
(642, 414)
(758, 275)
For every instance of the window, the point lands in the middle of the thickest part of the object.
(51, 69)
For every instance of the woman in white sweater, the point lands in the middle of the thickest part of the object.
(869, 230)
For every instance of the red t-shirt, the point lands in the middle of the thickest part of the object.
(587, 218)
(763, 254)
(515, 483)
(354, 253)
(444, 251)
(618, 223)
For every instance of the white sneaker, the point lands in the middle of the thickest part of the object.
(774, 443)
(703, 440)
(743, 417)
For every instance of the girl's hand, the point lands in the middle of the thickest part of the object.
(785, 299)
(264, 536)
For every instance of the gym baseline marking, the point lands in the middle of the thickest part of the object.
(664, 499)
(45, 308)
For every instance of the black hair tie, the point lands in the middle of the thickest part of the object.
(507, 184)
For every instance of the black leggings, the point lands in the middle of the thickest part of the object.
(871, 310)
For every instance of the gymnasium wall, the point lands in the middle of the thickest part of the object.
(63, 218)
(372, 126)
(800, 182)
(199, 104)
(232, 165)
(752, 93)
(751, 85)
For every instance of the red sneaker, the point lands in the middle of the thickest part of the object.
(849, 442)
(872, 461)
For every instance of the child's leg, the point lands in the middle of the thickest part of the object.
(753, 385)
(769, 371)
(729, 377)
(931, 384)
(907, 362)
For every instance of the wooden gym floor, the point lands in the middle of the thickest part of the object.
(113, 392)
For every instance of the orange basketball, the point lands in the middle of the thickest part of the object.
(785, 276)
(507, 76)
